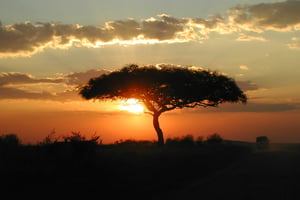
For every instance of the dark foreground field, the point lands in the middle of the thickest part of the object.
(144, 171)
(270, 174)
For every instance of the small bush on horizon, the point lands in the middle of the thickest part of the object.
(50, 138)
(74, 137)
(10, 139)
(134, 143)
(187, 141)
(78, 137)
(200, 140)
(214, 138)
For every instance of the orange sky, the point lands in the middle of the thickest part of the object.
(33, 126)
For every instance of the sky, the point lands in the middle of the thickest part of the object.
(49, 48)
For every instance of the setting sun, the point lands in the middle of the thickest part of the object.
(132, 105)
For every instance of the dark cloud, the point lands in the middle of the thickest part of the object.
(27, 38)
(164, 29)
(22, 78)
(276, 16)
(15, 93)
(24, 37)
(210, 23)
(11, 85)
(10, 81)
(123, 30)
(75, 78)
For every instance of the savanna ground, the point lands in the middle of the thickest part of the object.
(182, 169)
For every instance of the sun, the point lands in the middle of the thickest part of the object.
(132, 105)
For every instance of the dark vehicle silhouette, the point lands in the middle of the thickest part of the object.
(262, 142)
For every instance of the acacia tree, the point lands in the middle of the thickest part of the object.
(164, 88)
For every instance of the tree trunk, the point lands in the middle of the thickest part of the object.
(159, 132)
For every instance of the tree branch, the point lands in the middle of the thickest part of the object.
(149, 105)
(164, 108)
(150, 113)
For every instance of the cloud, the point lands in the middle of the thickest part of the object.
(25, 39)
(215, 23)
(247, 38)
(12, 78)
(295, 43)
(15, 85)
(16, 93)
(280, 16)
(244, 67)
(79, 78)
(165, 29)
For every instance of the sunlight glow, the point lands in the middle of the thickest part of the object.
(132, 105)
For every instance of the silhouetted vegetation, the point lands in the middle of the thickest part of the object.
(215, 138)
(185, 141)
(74, 165)
(188, 140)
(7, 140)
(164, 88)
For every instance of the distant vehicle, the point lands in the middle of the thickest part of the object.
(262, 142)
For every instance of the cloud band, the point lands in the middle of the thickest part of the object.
(21, 39)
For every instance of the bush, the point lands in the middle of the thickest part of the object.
(74, 137)
(199, 141)
(214, 138)
(50, 138)
(9, 140)
(187, 140)
(134, 143)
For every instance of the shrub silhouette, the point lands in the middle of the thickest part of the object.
(74, 137)
(9, 148)
(74, 146)
(50, 138)
(184, 141)
(9, 140)
(200, 140)
(133, 143)
(214, 138)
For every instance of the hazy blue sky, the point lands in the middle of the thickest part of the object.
(95, 12)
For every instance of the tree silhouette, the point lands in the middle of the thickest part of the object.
(164, 88)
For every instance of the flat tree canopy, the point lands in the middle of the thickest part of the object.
(164, 88)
